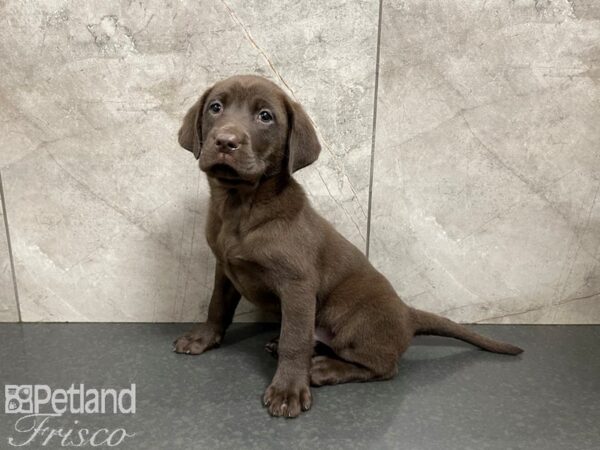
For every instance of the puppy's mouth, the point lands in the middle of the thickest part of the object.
(226, 175)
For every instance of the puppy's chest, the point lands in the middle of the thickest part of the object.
(231, 248)
(240, 260)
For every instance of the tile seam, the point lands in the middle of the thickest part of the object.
(374, 128)
(10, 252)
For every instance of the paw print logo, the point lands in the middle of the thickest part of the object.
(18, 399)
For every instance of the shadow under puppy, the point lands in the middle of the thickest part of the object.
(273, 248)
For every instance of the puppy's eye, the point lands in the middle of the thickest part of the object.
(215, 107)
(265, 116)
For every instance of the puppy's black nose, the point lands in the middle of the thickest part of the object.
(227, 142)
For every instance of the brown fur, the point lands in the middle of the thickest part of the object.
(273, 248)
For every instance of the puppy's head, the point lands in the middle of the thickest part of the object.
(245, 128)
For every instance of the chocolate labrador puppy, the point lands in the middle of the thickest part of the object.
(273, 248)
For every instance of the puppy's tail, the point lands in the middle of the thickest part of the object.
(428, 323)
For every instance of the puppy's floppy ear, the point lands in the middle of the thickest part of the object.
(190, 133)
(303, 144)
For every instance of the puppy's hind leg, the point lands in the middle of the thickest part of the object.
(374, 359)
(319, 349)
(328, 370)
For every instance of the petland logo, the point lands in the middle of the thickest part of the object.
(40, 406)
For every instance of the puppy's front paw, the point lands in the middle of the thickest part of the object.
(198, 340)
(287, 399)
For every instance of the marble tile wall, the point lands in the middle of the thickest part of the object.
(107, 211)
(486, 152)
(486, 203)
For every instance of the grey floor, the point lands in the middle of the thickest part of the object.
(448, 395)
